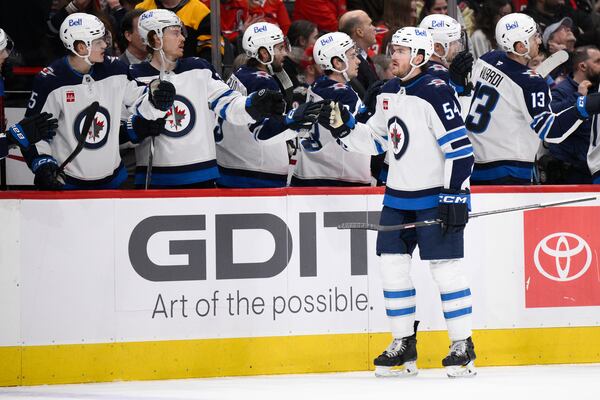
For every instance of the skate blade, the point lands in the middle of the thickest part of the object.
(405, 370)
(461, 371)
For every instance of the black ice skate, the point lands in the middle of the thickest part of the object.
(459, 361)
(400, 357)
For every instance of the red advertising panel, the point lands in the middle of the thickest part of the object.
(561, 257)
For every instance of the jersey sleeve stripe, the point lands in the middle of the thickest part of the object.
(452, 135)
(546, 127)
(214, 103)
(460, 153)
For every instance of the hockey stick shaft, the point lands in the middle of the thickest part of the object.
(419, 224)
(90, 113)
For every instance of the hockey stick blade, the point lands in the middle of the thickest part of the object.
(90, 113)
(551, 63)
(418, 224)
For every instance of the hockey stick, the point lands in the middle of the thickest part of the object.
(90, 113)
(418, 224)
(551, 63)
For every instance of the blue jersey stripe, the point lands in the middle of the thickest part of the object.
(456, 295)
(400, 294)
(458, 313)
(459, 153)
(453, 135)
(214, 103)
(400, 312)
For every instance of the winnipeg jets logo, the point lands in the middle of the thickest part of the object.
(437, 82)
(180, 118)
(339, 86)
(48, 71)
(438, 67)
(97, 134)
(398, 136)
(531, 73)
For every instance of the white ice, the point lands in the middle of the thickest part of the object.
(574, 382)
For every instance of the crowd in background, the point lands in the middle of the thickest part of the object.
(564, 25)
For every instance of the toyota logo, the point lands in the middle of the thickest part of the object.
(562, 251)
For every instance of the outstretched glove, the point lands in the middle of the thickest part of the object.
(588, 105)
(337, 119)
(304, 116)
(453, 209)
(162, 94)
(459, 71)
(31, 130)
(143, 128)
(262, 104)
(47, 174)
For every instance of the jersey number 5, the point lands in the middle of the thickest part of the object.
(484, 101)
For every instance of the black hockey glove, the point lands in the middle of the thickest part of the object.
(143, 128)
(588, 105)
(261, 104)
(162, 94)
(47, 175)
(453, 209)
(31, 130)
(459, 71)
(337, 119)
(304, 116)
(373, 91)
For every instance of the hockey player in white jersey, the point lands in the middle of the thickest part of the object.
(66, 88)
(510, 111)
(321, 161)
(450, 61)
(417, 120)
(257, 155)
(184, 155)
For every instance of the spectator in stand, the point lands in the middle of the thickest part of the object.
(324, 13)
(383, 66)
(559, 36)
(196, 18)
(88, 7)
(547, 12)
(133, 50)
(566, 162)
(359, 26)
(130, 4)
(375, 8)
(483, 39)
(272, 11)
(234, 14)
(302, 34)
(433, 7)
(396, 14)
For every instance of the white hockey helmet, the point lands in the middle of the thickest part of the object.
(444, 30)
(330, 45)
(417, 39)
(262, 34)
(6, 42)
(513, 28)
(81, 27)
(156, 21)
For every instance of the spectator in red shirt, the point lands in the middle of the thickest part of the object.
(272, 11)
(324, 13)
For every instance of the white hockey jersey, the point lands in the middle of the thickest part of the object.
(255, 155)
(509, 114)
(185, 152)
(321, 161)
(418, 122)
(64, 92)
(593, 156)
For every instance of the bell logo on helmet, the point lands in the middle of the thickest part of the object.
(75, 22)
(326, 40)
(437, 24)
(512, 25)
(420, 32)
(147, 15)
(259, 29)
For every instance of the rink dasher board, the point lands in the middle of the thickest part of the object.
(87, 303)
